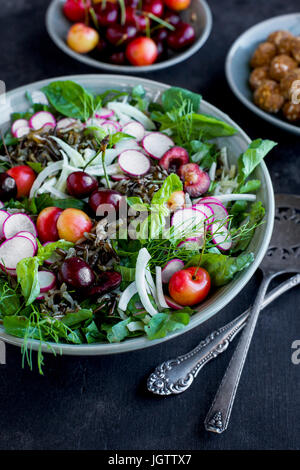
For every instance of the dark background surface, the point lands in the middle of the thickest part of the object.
(101, 403)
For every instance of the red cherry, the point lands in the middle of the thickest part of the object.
(76, 273)
(24, 177)
(161, 35)
(108, 15)
(136, 18)
(172, 17)
(46, 224)
(117, 58)
(81, 184)
(102, 46)
(162, 52)
(105, 196)
(118, 35)
(75, 10)
(182, 37)
(141, 51)
(190, 286)
(156, 7)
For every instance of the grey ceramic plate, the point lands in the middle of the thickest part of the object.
(236, 144)
(237, 63)
(58, 26)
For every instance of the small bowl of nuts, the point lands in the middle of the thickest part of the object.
(263, 70)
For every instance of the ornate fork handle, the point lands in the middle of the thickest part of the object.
(176, 375)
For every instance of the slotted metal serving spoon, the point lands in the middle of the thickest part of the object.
(283, 256)
(176, 375)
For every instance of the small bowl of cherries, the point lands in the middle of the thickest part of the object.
(129, 35)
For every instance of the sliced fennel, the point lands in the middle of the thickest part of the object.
(124, 108)
(140, 280)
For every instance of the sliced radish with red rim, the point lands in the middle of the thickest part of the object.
(188, 221)
(104, 113)
(136, 129)
(191, 243)
(30, 236)
(221, 236)
(172, 304)
(18, 222)
(14, 250)
(156, 144)
(19, 123)
(3, 216)
(134, 162)
(47, 281)
(66, 123)
(207, 210)
(21, 132)
(40, 119)
(110, 126)
(170, 268)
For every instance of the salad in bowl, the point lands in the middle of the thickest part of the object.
(121, 214)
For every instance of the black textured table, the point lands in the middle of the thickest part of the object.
(101, 403)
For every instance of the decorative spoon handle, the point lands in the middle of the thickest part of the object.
(176, 375)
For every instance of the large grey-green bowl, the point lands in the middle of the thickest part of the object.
(237, 63)
(236, 144)
(58, 27)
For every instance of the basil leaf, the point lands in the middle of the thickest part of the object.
(27, 273)
(174, 96)
(36, 166)
(163, 323)
(252, 157)
(45, 200)
(250, 186)
(16, 325)
(210, 127)
(74, 318)
(118, 332)
(70, 99)
(171, 184)
(221, 268)
(92, 334)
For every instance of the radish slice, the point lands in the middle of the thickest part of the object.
(159, 288)
(40, 119)
(119, 177)
(17, 125)
(47, 281)
(172, 303)
(14, 250)
(1, 204)
(3, 216)
(207, 210)
(134, 162)
(221, 236)
(188, 221)
(66, 123)
(104, 113)
(156, 144)
(220, 213)
(21, 132)
(140, 280)
(110, 126)
(18, 222)
(30, 236)
(171, 267)
(136, 129)
(191, 243)
(126, 295)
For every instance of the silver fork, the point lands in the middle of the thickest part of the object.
(283, 256)
(176, 375)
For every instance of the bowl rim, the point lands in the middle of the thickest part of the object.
(142, 342)
(232, 83)
(130, 68)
